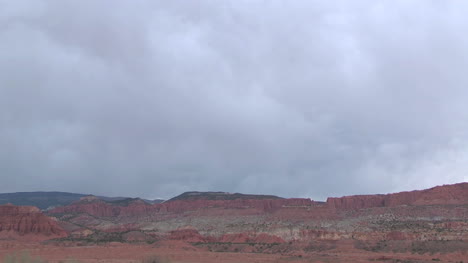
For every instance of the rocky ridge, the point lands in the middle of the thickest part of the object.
(27, 220)
(436, 218)
(433, 215)
(439, 195)
(219, 196)
(97, 207)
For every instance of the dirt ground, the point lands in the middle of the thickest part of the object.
(179, 252)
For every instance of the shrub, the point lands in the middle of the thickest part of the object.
(23, 257)
(70, 261)
(154, 259)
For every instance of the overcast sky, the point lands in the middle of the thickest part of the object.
(292, 98)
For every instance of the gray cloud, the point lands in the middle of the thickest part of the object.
(294, 98)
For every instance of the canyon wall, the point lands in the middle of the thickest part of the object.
(25, 220)
(440, 195)
(100, 208)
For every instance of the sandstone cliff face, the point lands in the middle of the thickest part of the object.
(100, 208)
(264, 205)
(456, 194)
(24, 220)
(441, 195)
(436, 214)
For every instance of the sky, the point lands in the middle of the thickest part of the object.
(296, 98)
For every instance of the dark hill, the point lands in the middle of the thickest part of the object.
(45, 200)
(42, 200)
(219, 196)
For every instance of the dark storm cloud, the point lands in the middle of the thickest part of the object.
(294, 98)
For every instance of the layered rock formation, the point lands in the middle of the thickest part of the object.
(428, 221)
(219, 196)
(456, 194)
(96, 207)
(440, 195)
(99, 208)
(28, 220)
(434, 215)
(262, 205)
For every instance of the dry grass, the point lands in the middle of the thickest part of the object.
(22, 257)
(25, 257)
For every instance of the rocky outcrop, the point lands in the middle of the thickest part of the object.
(188, 235)
(219, 196)
(262, 205)
(99, 208)
(262, 238)
(455, 194)
(434, 214)
(28, 220)
(440, 195)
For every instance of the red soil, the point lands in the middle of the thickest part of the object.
(180, 252)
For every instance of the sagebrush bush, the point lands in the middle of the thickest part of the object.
(154, 259)
(22, 257)
(25, 257)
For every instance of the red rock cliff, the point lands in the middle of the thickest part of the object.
(100, 208)
(262, 205)
(439, 195)
(23, 220)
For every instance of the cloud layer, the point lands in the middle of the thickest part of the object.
(294, 98)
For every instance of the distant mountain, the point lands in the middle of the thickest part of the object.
(117, 201)
(120, 198)
(219, 196)
(155, 201)
(42, 200)
(46, 200)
